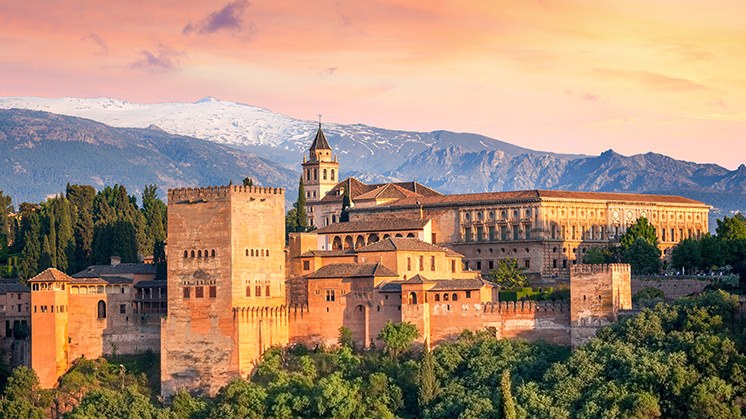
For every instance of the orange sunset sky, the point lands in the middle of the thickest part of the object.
(565, 76)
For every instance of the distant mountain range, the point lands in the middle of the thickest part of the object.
(450, 162)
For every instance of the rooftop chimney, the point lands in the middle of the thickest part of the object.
(116, 260)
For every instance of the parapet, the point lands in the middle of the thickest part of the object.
(584, 269)
(524, 307)
(215, 192)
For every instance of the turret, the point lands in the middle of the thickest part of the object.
(320, 168)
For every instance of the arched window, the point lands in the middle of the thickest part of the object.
(315, 174)
(308, 174)
(332, 174)
(267, 252)
(252, 252)
(437, 297)
(206, 254)
(186, 254)
(454, 297)
(247, 252)
(192, 253)
(445, 297)
(412, 298)
(262, 252)
(213, 253)
(324, 175)
(248, 291)
(199, 253)
(101, 309)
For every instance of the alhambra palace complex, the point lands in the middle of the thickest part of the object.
(407, 254)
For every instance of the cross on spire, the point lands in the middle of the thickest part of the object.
(320, 120)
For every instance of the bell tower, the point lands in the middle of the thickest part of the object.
(320, 168)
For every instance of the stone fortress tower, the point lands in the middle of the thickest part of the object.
(226, 274)
(320, 169)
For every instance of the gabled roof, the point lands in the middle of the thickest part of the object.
(359, 190)
(114, 270)
(417, 279)
(51, 275)
(531, 196)
(352, 270)
(460, 284)
(393, 244)
(319, 142)
(392, 224)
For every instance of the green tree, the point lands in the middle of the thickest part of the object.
(506, 396)
(301, 223)
(732, 228)
(643, 257)
(641, 229)
(247, 181)
(711, 249)
(81, 198)
(125, 404)
(46, 260)
(116, 239)
(597, 256)
(159, 259)
(184, 405)
(428, 385)
(154, 212)
(6, 207)
(508, 274)
(398, 337)
(31, 252)
(687, 255)
(345, 337)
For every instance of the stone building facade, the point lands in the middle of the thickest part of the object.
(226, 282)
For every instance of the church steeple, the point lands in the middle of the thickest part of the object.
(320, 169)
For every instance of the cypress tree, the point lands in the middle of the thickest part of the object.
(65, 245)
(46, 260)
(31, 252)
(346, 204)
(52, 241)
(428, 383)
(508, 402)
(300, 207)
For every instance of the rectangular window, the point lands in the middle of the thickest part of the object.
(554, 263)
(479, 265)
(468, 294)
(503, 232)
(563, 233)
(480, 234)
(266, 291)
(199, 292)
(187, 291)
(248, 291)
(434, 238)
(258, 290)
(306, 265)
(516, 232)
(213, 291)
(422, 263)
(330, 295)
(122, 308)
(681, 234)
(554, 232)
(527, 229)
(527, 263)
(453, 266)
(467, 234)
(573, 232)
(409, 264)
(491, 233)
(664, 234)
(492, 264)
(432, 263)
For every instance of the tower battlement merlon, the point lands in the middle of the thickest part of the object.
(214, 192)
(584, 269)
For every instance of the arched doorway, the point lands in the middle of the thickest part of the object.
(412, 298)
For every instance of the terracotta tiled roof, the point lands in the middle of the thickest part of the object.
(460, 284)
(387, 191)
(392, 244)
(352, 270)
(12, 286)
(531, 196)
(417, 279)
(51, 275)
(359, 190)
(328, 253)
(319, 142)
(393, 224)
(114, 270)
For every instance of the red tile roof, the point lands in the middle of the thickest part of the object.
(51, 275)
(392, 224)
(393, 244)
(352, 270)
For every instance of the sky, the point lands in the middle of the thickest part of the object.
(566, 76)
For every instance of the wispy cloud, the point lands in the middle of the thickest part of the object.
(329, 71)
(164, 60)
(588, 97)
(103, 48)
(651, 80)
(229, 19)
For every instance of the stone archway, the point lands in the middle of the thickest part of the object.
(373, 238)
(359, 242)
(337, 243)
(348, 243)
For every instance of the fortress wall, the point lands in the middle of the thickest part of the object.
(672, 287)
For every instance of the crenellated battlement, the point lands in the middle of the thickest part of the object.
(583, 269)
(214, 192)
(524, 307)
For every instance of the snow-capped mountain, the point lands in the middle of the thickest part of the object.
(371, 151)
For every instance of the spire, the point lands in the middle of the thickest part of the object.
(319, 142)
